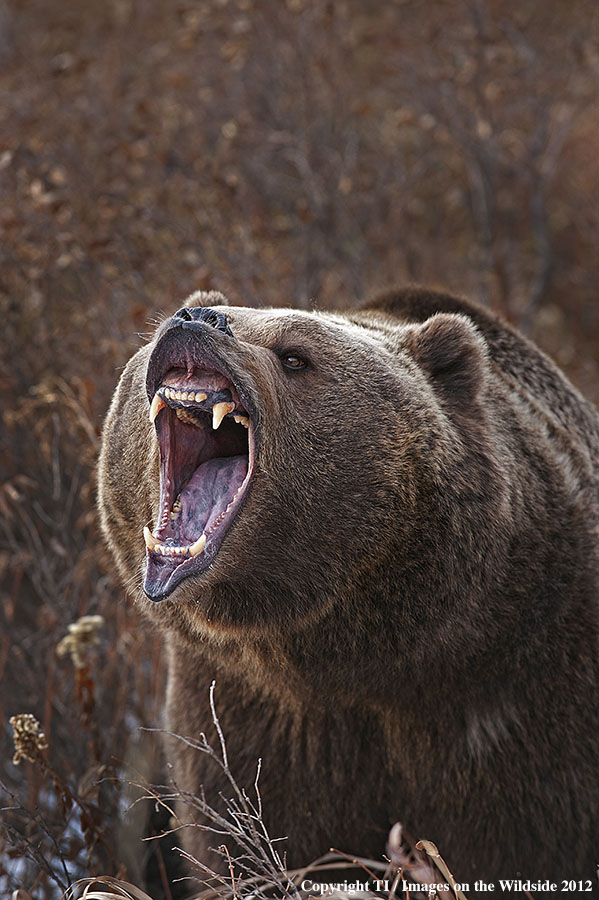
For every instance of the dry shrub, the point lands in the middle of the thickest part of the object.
(255, 860)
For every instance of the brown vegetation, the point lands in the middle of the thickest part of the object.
(285, 153)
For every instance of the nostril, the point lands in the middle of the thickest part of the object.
(212, 317)
(183, 313)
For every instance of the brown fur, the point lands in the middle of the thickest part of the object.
(403, 620)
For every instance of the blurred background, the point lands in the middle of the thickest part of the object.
(287, 153)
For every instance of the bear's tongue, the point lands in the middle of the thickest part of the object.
(207, 495)
(195, 521)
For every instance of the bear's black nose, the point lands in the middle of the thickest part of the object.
(206, 315)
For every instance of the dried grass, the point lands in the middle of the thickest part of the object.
(256, 862)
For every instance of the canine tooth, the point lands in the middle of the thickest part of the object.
(151, 542)
(219, 411)
(198, 546)
(157, 404)
(242, 420)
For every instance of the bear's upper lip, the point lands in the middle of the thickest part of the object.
(205, 427)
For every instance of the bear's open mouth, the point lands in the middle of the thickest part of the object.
(206, 442)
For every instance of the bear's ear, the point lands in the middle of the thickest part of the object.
(453, 355)
(206, 298)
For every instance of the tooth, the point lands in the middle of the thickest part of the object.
(200, 396)
(157, 404)
(219, 411)
(149, 538)
(198, 546)
(167, 393)
(177, 395)
(242, 420)
(184, 395)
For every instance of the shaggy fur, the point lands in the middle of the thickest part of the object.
(403, 619)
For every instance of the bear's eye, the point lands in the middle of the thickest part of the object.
(292, 362)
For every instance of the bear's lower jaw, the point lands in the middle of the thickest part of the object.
(206, 446)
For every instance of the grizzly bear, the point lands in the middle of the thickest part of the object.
(378, 533)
